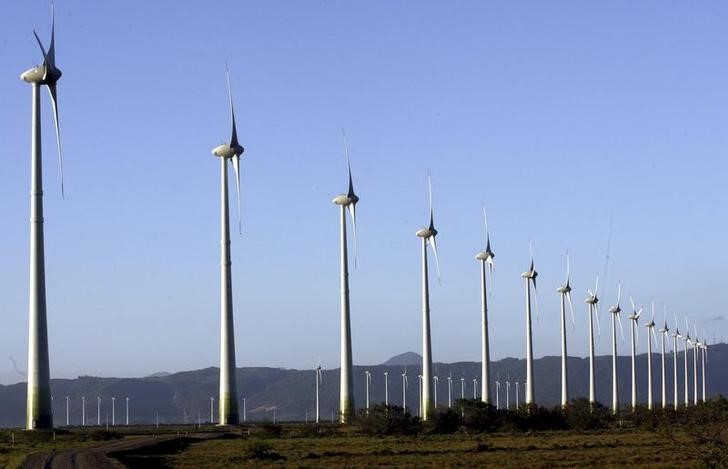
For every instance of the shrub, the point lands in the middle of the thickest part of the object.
(388, 420)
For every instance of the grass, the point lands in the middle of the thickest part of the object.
(605, 448)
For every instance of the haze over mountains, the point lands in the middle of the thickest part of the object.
(185, 396)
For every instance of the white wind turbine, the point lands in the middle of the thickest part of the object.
(593, 301)
(704, 358)
(386, 388)
(404, 391)
(696, 345)
(565, 295)
(615, 310)
(346, 388)
(419, 396)
(319, 381)
(462, 388)
(428, 236)
(517, 397)
(435, 380)
(634, 319)
(650, 331)
(228, 399)
(449, 391)
(39, 410)
(530, 277)
(688, 342)
(497, 393)
(485, 257)
(663, 334)
(508, 394)
(368, 377)
(675, 337)
(475, 388)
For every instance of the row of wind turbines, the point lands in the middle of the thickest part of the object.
(39, 408)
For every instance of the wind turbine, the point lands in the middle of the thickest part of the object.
(634, 319)
(497, 393)
(675, 337)
(404, 391)
(475, 388)
(485, 257)
(386, 388)
(449, 391)
(39, 411)
(592, 300)
(319, 380)
(368, 377)
(508, 393)
(517, 398)
(127, 411)
(228, 399)
(419, 396)
(565, 294)
(650, 331)
(696, 344)
(346, 388)
(530, 277)
(688, 341)
(435, 380)
(428, 236)
(704, 358)
(462, 388)
(663, 334)
(615, 310)
(98, 411)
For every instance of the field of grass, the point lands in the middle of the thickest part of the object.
(605, 448)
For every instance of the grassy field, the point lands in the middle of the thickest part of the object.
(610, 448)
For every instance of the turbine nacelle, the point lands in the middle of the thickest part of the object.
(486, 256)
(346, 200)
(41, 75)
(616, 309)
(530, 274)
(564, 288)
(427, 233)
(227, 151)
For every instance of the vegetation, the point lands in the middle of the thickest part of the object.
(469, 434)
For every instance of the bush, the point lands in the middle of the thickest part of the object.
(388, 420)
(582, 415)
(447, 421)
(262, 451)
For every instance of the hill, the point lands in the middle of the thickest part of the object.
(185, 396)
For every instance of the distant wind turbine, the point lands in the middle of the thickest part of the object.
(688, 341)
(39, 410)
(675, 337)
(663, 335)
(319, 379)
(634, 335)
(530, 277)
(449, 391)
(615, 310)
(404, 390)
(228, 398)
(386, 388)
(428, 236)
(565, 295)
(497, 393)
(435, 380)
(475, 388)
(508, 394)
(346, 201)
(485, 257)
(704, 357)
(592, 300)
(696, 344)
(517, 396)
(368, 376)
(650, 332)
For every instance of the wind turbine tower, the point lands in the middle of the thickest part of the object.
(634, 319)
(428, 236)
(615, 310)
(485, 257)
(565, 294)
(530, 277)
(39, 412)
(663, 334)
(592, 300)
(650, 331)
(228, 399)
(688, 341)
(346, 388)
(675, 337)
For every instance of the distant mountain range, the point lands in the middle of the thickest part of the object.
(185, 396)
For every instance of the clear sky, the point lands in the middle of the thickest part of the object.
(559, 116)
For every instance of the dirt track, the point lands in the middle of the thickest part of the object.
(97, 457)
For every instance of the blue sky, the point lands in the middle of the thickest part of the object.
(559, 116)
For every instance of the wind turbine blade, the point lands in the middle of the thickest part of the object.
(433, 243)
(654, 336)
(653, 310)
(571, 309)
(234, 136)
(236, 167)
(621, 329)
(637, 334)
(54, 102)
(352, 211)
(675, 317)
(568, 268)
(46, 60)
(619, 293)
(52, 46)
(535, 297)
(350, 191)
(596, 287)
(599, 327)
(634, 308)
